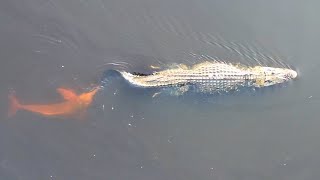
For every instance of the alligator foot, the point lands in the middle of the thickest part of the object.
(172, 91)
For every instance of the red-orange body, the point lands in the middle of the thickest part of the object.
(72, 105)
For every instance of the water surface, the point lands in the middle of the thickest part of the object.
(45, 44)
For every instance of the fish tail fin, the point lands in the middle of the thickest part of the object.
(14, 105)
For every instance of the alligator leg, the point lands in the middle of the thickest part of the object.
(173, 91)
(170, 66)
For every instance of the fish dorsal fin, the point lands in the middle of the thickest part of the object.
(67, 94)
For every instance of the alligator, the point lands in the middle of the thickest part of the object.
(210, 77)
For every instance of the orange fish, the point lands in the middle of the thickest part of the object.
(73, 104)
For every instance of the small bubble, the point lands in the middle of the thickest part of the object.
(112, 108)
(129, 124)
(62, 66)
